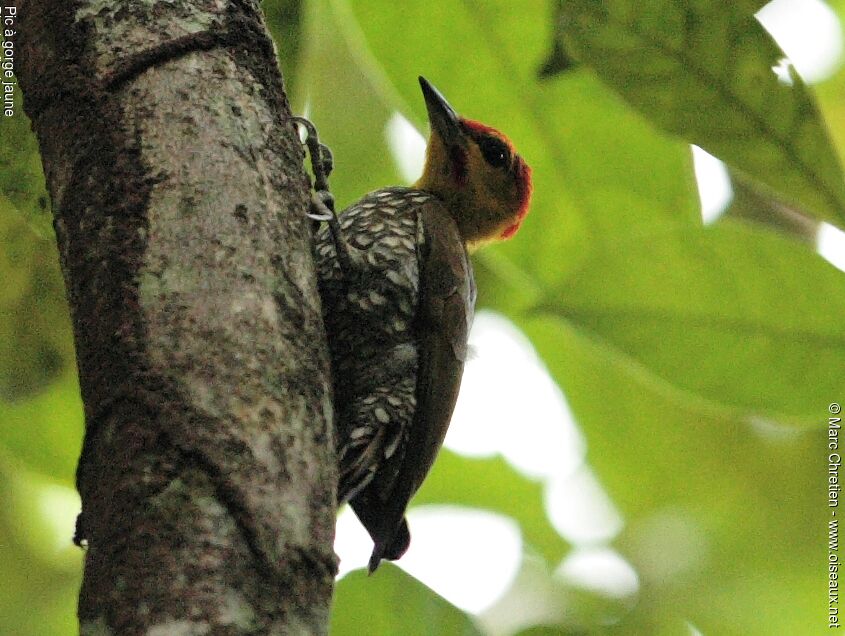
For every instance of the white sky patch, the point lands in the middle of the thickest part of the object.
(830, 243)
(306, 113)
(714, 184)
(693, 630)
(599, 570)
(470, 557)
(352, 544)
(809, 32)
(783, 70)
(580, 510)
(666, 544)
(58, 506)
(774, 431)
(509, 404)
(406, 145)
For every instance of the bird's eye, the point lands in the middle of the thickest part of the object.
(495, 151)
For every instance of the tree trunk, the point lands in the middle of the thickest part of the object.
(208, 473)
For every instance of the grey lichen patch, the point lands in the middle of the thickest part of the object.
(249, 302)
(180, 493)
(208, 506)
(203, 394)
(265, 453)
(174, 279)
(235, 611)
(327, 409)
(96, 627)
(297, 628)
(269, 312)
(150, 286)
(298, 525)
(187, 205)
(176, 485)
(180, 628)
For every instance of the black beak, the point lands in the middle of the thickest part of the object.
(442, 117)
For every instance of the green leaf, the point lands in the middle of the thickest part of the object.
(348, 104)
(45, 432)
(545, 630)
(36, 343)
(636, 423)
(742, 318)
(390, 602)
(704, 71)
(21, 176)
(751, 205)
(284, 21)
(492, 484)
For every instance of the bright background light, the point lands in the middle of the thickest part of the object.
(407, 146)
(831, 245)
(714, 184)
(510, 405)
(809, 33)
(470, 557)
(599, 570)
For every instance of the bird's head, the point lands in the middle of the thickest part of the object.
(485, 184)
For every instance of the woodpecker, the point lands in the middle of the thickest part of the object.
(398, 297)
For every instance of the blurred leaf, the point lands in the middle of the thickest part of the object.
(390, 602)
(560, 62)
(284, 21)
(36, 342)
(345, 102)
(535, 598)
(21, 175)
(541, 601)
(831, 92)
(752, 205)
(41, 515)
(727, 313)
(44, 433)
(557, 62)
(545, 630)
(698, 492)
(704, 71)
(637, 424)
(492, 484)
(38, 597)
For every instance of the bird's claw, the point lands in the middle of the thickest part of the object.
(322, 161)
(321, 207)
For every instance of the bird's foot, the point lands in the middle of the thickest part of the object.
(321, 207)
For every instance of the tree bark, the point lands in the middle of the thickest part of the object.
(208, 473)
